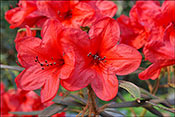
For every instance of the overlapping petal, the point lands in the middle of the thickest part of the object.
(105, 85)
(104, 34)
(122, 59)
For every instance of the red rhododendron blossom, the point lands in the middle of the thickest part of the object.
(161, 53)
(25, 13)
(69, 13)
(160, 48)
(45, 61)
(23, 101)
(135, 28)
(99, 59)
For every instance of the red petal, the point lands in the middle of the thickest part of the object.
(167, 14)
(105, 85)
(68, 66)
(107, 8)
(82, 15)
(153, 71)
(50, 38)
(32, 78)
(104, 33)
(17, 15)
(122, 59)
(79, 78)
(50, 88)
(132, 34)
(28, 49)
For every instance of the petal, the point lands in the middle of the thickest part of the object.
(107, 8)
(28, 49)
(167, 14)
(49, 90)
(79, 78)
(17, 15)
(104, 33)
(75, 39)
(105, 85)
(50, 38)
(122, 59)
(131, 34)
(83, 14)
(153, 71)
(31, 78)
(68, 66)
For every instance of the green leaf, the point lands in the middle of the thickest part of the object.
(131, 88)
(51, 110)
(26, 113)
(114, 111)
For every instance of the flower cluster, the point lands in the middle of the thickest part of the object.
(81, 45)
(152, 27)
(19, 100)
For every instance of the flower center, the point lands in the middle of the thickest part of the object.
(65, 15)
(49, 63)
(96, 59)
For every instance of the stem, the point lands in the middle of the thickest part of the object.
(149, 85)
(123, 100)
(156, 86)
(93, 105)
(24, 29)
(143, 113)
(169, 79)
(11, 67)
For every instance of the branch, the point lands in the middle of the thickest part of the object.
(11, 67)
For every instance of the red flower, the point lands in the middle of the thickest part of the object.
(161, 53)
(69, 13)
(24, 101)
(160, 48)
(24, 14)
(99, 58)
(44, 61)
(135, 28)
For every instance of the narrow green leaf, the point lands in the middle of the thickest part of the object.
(51, 110)
(131, 88)
(26, 113)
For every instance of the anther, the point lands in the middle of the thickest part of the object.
(54, 63)
(89, 54)
(41, 64)
(36, 60)
(45, 61)
(95, 56)
(105, 61)
(42, 68)
(51, 64)
(52, 58)
(47, 64)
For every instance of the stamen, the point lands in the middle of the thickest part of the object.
(45, 61)
(47, 64)
(54, 63)
(51, 64)
(41, 64)
(89, 54)
(42, 68)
